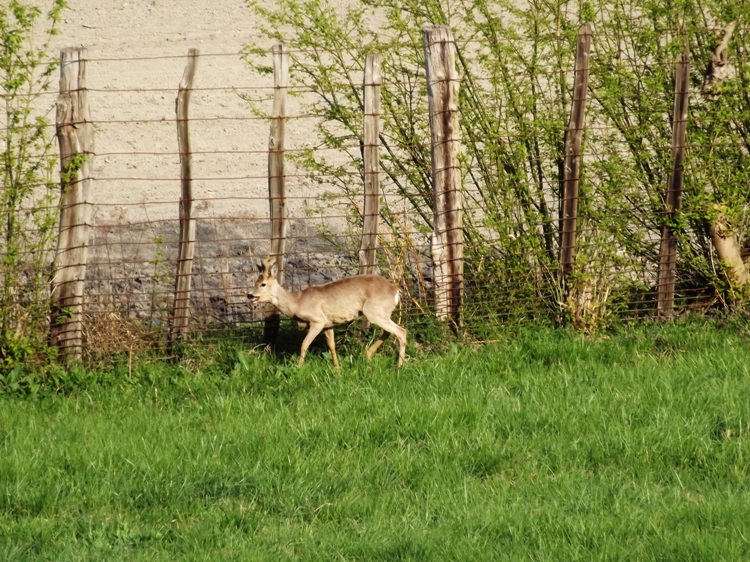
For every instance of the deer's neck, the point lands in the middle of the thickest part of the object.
(286, 301)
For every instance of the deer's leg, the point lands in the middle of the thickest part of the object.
(375, 346)
(400, 333)
(402, 347)
(328, 332)
(390, 327)
(313, 332)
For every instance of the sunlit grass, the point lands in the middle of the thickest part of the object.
(551, 446)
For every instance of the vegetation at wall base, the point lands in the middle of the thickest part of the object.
(548, 444)
(516, 64)
(27, 194)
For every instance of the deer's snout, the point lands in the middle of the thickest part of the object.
(252, 298)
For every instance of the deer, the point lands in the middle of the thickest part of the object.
(321, 307)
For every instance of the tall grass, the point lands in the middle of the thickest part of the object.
(548, 446)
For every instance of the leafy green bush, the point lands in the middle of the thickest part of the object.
(27, 198)
(516, 65)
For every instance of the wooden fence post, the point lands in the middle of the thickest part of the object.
(276, 179)
(371, 163)
(668, 248)
(572, 153)
(447, 237)
(75, 137)
(184, 275)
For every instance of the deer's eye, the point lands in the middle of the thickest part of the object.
(262, 284)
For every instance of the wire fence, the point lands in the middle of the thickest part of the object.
(135, 208)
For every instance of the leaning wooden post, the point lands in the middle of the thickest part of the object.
(183, 281)
(276, 179)
(668, 249)
(75, 137)
(447, 237)
(371, 163)
(572, 154)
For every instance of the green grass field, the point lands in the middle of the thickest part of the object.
(547, 446)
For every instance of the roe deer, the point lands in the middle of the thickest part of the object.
(323, 306)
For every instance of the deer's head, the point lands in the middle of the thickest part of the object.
(264, 288)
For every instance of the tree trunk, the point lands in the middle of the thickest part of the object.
(728, 249)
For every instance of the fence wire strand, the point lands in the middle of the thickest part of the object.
(135, 202)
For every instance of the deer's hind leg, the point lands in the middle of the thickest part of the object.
(376, 345)
(331, 341)
(389, 327)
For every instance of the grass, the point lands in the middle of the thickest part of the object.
(549, 446)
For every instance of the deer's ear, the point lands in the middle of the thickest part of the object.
(273, 270)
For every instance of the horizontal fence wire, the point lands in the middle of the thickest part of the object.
(135, 205)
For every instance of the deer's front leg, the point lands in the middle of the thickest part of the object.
(315, 329)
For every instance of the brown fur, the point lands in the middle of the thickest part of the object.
(321, 307)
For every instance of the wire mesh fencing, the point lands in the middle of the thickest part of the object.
(512, 173)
